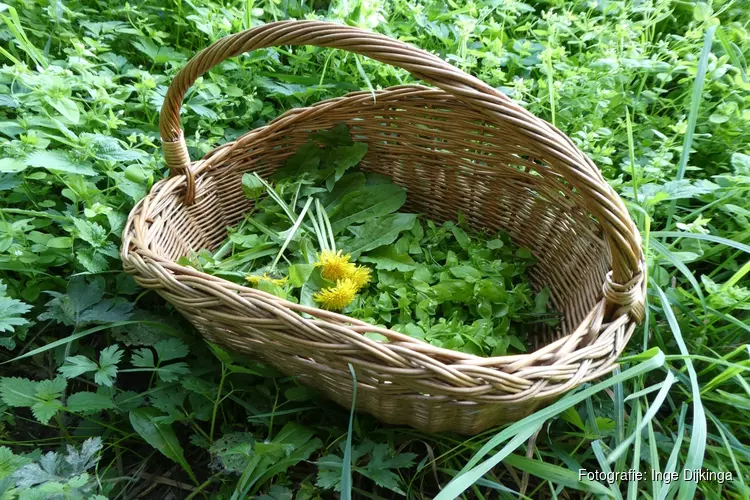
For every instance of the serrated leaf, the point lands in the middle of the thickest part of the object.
(76, 366)
(172, 372)
(89, 402)
(58, 161)
(143, 358)
(43, 411)
(171, 348)
(108, 359)
(11, 312)
(18, 392)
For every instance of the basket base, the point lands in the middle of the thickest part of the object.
(427, 413)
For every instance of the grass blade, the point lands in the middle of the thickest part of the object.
(704, 237)
(292, 232)
(599, 453)
(556, 474)
(695, 102)
(653, 408)
(633, 485)
(525, 428)
(697, 449)
(672, 460)
(346, 466)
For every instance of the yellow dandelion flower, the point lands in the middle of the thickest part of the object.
(336, 266)
(361, 276)
(255, 279)
(337, 297)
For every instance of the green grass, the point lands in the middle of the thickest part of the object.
(655, 92)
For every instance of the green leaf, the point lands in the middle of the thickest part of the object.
(252, 187)
(305, 160)
(11, 165)
(701, 11)
(89, 402)
(18, 392)
(556, 475)
(76, 366)
(11, 312)
(59, 162)
(60, 242)
(146, 422)
(43, 411)
(466, 273)
(461, 237)
(171, 348)
(299, 274)
(336, 136)
(66, 107)
(172, 372)
(345, 157)
(107, 371)
(741, 164)
(377, 232)
(388, 258)
(349, 183)
(365, 204)
(143, 358)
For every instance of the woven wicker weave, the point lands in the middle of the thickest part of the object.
(461, 146)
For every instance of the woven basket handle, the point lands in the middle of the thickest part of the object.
(623, 288)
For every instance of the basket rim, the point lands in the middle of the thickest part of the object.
(587, 329)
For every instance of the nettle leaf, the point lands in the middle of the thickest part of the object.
(110, 149)
(90, 232)
(11, 311)
(59, 162)
(234, 451)
(108, 360)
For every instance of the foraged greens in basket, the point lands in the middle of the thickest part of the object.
(326, 234)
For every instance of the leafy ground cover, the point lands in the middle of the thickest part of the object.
(106, 391)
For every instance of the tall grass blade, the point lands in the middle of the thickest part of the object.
(525, 428)
(697, 449)
(653, 408)
(346, 466)
(695, 102)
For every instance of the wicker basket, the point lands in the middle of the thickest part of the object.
(461, 146)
